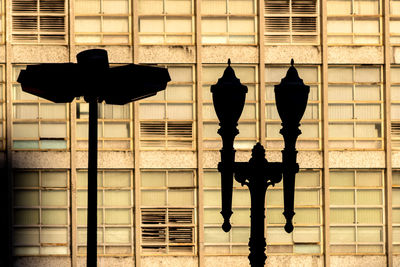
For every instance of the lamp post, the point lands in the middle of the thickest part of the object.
(258, 174)
(93, 79)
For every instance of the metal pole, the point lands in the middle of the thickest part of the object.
(92, 187)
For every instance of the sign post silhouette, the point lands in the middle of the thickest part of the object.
(93, 79)
(291, 97)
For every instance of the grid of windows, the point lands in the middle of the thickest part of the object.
(103, 22)
(395, 22)
(2, 110)
(114, 212)
(291, 21)
(167, 119)
(248, 123)
(216, 241)
(37, 123)
(355, 107)
(166, 22)
(39, 21)
(356, 212)
(114, 126)
(307, 234)
(396, 211)
(229, 21)
(354, 22)
(168, 210)
(41, 217)
(395, 106)
(310, 139)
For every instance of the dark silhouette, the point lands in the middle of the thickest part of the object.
(93, 79)
(229, 96)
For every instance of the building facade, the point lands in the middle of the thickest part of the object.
(159, 190)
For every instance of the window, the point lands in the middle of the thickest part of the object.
(114, 126)
(396, 211)
(354, 22)
(395, 106)
(356, 212)
(355, 107)
(2, 110)
(168, 209)
(307, 234)
(216, 241)
(37, 123)
(310, 139)
(291, 21)
(114, 212)
(39, 21)
(229, 21)
(248, 122)
(103, 22)
(167, 119)
(394, 22)
(166, 22)
(41, 217)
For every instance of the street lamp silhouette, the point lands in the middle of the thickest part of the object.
(93, 79)
(291, 97)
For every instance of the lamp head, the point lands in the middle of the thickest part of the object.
(229, 96)
(291, 97)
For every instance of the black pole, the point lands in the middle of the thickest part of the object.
(92, 187)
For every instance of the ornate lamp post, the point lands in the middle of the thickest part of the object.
(291, 97)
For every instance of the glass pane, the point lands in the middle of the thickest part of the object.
(180, 179)
(156, 179)
(369, 179)
(150, 6)
(117, 216)
(54, 179)
(117, 179)
(120, 130)
(26, 198)
(179, 92)
(115, 24)
(87, 24)
(26, 179)
(342, 197)
(54, 217)
(342, 178)
(53, 111)
(240, 216)
(26, 236)
(115, 6)
(240, 235)
(117, 198)
(340, 92)
(180, 197)
(369, 234)
(369, 216)
(54, 235)
(307, 216)
(215, 235)
(212, 198)
(117, 235)
(342, 216)
(369, 197)
(53, 130)
(178, 24)
(306, 235)
(342, 234)
(54, 198)
(178, 6)
(307, 197)
(26, 217)
(211, 179)
(153, 198)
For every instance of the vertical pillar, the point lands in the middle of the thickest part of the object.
(92, 186)
(325, 125)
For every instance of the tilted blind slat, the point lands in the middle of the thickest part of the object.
(304, 24)
(24, 23)
(304, 6)
(52, 24)
(277, 6)
(52, 6)
(277, 24)
(24, 6)
(181, 129)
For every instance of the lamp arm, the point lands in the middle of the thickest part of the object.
(290, 168)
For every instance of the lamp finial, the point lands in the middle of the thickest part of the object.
(292, 62)
(229, 62)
